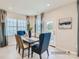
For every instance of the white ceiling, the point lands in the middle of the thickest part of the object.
(31, 7)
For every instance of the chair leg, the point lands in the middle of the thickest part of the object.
(47, 52)
(19, 50)
(28, 52)
(40, 56)
(22, 53)
(31, 53)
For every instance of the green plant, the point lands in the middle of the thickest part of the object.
(29, 28)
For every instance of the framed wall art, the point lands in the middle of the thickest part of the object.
(65, 23)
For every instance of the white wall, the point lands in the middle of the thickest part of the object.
(15, 15)
(66, 39)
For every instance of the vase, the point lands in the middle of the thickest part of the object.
(29, 34)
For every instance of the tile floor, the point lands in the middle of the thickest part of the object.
(10, 52)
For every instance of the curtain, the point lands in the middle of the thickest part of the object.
(3, 41)
(42, 16)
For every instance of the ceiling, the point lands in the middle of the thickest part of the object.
(32, 7)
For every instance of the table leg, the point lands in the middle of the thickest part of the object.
(29, 51)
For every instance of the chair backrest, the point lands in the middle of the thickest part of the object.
(44, 40)
(19, 41)
(20, 33)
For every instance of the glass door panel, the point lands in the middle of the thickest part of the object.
(38, 26)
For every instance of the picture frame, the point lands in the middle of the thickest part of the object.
(65, 23)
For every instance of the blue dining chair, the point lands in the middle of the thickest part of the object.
(44, 40)
(20, 33)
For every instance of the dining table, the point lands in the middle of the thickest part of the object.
(30, 41)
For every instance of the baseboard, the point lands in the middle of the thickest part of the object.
(67, 51)
(73, 53)
(52, 46)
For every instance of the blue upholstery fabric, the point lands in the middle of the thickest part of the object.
(36, 47)
(44, 40)
(20, 33)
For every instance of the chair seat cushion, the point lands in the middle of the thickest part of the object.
(35, 48)
(25, 45)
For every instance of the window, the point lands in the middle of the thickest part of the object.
(22, 25)
(13, 25)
